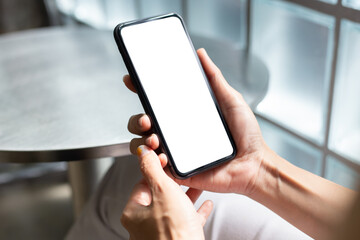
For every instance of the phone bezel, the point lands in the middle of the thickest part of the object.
(147, 106)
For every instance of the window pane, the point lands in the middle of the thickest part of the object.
(329, 1)
(296, 45)
(66, 6)
(117, 11)
(345, 126)
(90, 12)
(221, 19)
(291, 148)
(351, 3)
(157, 7)
(106, 14)
(341, 174)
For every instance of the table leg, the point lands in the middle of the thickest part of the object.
(84, 177)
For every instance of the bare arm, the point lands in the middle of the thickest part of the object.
(311, 203)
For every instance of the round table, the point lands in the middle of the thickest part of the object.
(62, 97)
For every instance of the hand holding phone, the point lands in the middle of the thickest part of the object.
(175, 93)
(236, 176)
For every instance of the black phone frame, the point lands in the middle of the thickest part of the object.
(147, 106)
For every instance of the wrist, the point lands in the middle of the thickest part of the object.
(180, 230)
(182, 235)
(267, 178)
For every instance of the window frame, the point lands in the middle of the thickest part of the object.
(339, 12)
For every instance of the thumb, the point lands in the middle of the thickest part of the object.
(150, 166)
(218, 83)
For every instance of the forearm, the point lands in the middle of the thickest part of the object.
(311, 203)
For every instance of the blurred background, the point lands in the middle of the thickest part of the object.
(297, 63)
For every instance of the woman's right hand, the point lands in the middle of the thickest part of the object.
(239, 175)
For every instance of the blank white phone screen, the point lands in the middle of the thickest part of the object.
(178, 94)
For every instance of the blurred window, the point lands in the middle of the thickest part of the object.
(311, 49)
(345, 124)
(296, 44)
(351, 3)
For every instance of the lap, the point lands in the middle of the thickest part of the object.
(234, 216)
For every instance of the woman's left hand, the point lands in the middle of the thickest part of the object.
(159, 209)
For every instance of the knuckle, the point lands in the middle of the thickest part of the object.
(144, 164)
(125, 219)
(160, 186)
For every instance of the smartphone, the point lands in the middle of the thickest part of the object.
(175, 93)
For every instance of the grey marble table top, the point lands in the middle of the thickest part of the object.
(62, 97)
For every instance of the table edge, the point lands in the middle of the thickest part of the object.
(36, 156)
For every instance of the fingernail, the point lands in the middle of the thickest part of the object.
(142, 150)
(140, 121)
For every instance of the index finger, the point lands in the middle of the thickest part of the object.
(128, 83)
